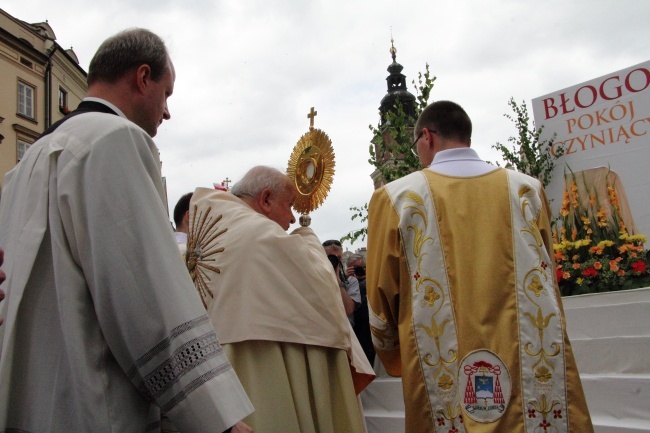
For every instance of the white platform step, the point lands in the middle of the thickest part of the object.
(612, 355)
(624, 396)
(611, 314)
(604, 424)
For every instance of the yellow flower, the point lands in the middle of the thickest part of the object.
(638, 238)
(579, 280)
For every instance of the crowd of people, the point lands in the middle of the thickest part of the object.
(234, 324)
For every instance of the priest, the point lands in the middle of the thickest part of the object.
(463, 300)
(100, 334)
(275, 301)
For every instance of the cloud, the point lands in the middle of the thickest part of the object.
(248, 72)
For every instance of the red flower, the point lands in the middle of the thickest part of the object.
(639, 267)
(590, 272)
(559, 273)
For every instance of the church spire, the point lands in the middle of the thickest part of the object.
(396, 82)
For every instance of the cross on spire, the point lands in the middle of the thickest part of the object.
(226, 182)
(393, 50)
(311, 116)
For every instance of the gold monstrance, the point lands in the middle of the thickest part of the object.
(311, 168)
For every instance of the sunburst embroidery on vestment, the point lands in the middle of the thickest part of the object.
(202, 248)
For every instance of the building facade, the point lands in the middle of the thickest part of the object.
(40, 82)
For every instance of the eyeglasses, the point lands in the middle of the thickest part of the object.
(332, 242)
(414, 149)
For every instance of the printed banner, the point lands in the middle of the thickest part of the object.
(604, 122)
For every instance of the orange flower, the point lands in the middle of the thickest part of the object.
(574, 234)
(613, 265)
(566, 275)
(597, 249)
(564, 211)
(576, 266)
(598, 265)
(621, 273)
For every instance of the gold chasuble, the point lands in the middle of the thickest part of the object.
(465, 306)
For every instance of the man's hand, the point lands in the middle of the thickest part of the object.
(241, 427)
(2, 278)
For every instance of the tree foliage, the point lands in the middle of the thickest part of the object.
(390, 146)
(528, 154)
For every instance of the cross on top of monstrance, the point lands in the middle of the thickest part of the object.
(311, 116)
(311, 168)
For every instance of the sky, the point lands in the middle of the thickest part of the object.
(248, 72)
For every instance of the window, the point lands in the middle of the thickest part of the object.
(26, 62)
(21, 148)
(63, 101)
(25, 100)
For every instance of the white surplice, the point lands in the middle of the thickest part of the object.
(102, 330)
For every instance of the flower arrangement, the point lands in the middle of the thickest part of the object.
(594, 250)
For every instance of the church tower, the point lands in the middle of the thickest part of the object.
(397, 91)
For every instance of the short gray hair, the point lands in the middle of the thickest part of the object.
(259, 178)
(126, 50)
(354, 257)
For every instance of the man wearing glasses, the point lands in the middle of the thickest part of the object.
(463, 300)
